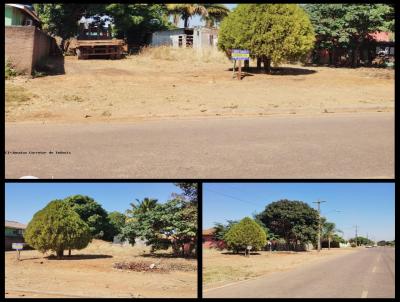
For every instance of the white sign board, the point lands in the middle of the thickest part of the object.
(17, 246)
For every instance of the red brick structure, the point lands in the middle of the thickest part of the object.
(26, 47)
(210, 242)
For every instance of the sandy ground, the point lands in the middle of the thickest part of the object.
(220, 268)
(142, 87)
(90, 273)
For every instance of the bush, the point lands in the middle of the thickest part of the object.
(57, 228)
(272, 32)
(10, 72)
(246, 232)
(353, 245)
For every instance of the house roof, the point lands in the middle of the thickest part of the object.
(14, 224)
(210, 231)
(26, 9)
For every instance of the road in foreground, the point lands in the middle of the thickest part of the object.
(368, 273)
(324, 146)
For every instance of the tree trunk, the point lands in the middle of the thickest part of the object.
(69, 252)
(246, 65)
(356, 54)
(258, 63)
(60, 253)
(186, 22)
(267, 65)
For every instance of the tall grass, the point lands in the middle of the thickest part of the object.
(186, 55)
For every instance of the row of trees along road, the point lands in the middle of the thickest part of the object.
(133, 22)
(293, 223)
(73, 222)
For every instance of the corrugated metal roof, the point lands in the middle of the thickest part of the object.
(14, 224)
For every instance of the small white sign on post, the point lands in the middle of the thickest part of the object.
(18, 247)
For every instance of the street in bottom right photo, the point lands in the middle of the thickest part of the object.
(298, 240)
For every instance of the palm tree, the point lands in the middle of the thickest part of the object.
(216, 12)
(186, 11)
(141, 207)
(328, 231)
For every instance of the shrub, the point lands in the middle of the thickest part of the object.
(57, 228)
(10, 72)
(246, 232)
(353, 244)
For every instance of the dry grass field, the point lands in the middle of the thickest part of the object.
(90, 273)
(165, 83)
(222, 267)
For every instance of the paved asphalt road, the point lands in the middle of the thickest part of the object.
(369, 273)
(325, 146)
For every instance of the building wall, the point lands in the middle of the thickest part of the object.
(26, 47)
(10, 240)
(13, 16)
(164, 37)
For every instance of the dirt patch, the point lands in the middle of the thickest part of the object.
(90, 273)
(221, 267)
(163, 84)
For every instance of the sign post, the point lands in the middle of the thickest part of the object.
(239, 55)
(18, 247)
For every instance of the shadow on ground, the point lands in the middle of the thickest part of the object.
(54, 65)
(240, 253)
(167, 255)
(79, 257)
(279, 71)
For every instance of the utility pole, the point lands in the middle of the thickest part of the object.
(356, 236)
(319, 223)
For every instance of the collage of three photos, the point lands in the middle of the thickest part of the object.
(199, 150)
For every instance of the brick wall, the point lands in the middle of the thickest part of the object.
(26, 47)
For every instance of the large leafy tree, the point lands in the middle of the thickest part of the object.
(171, 224)
(272, 32)
(61, 19)
(117, 221)
(245, 233)
(136, 21)
(57, 228)
(294, 221)
(93, 214)
(347, 26)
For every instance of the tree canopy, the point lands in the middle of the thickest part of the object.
(171, 224)
(93, 214)
(348, 25)
(245, 233)
(56, 228)
(117, 221)
(272, 32)
(294, 221)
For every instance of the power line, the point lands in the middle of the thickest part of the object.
(232, 197)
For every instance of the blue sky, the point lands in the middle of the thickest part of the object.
(369, 205)
(23, 200)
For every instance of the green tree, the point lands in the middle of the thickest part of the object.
(189, 191)
(215, 14)
(172, 224)
(57, 228)
(361, 241)
(221, 229)
(137, 21)
(61, 19)
(272, 32)
(347, 26)
(186, 11)
(246, 233)
(328, 231)
(294, 221)
(141, 207)
(117, 221)
(93, 214)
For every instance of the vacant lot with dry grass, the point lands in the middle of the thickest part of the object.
(223, 267)
(91, 273)
(182, 83)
